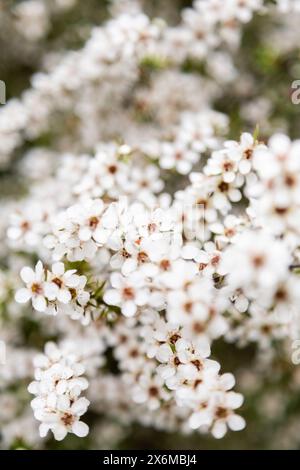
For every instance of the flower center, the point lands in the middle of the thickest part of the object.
(223, 187)
(93, 222)
(67, 419)
(165, 264)
(128, 293)
(142, 257)
(198, 364)
(153, 391)
(248, 153)
(36, 288)
(112, 169)
(221, 412)
(258, 261)
(174, 338)
(57, 281)
(188, 307)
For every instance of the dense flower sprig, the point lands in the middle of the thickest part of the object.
(58, 387)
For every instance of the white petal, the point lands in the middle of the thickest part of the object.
(22, 295)
(219, 430)
(33, 388)
(242, 304)
(199, 419)
(84, 234)
(80, 406)
(164, 353)
(61, 387)
(100, 235)
(80, 429)
(63, 403)
(112, 297)
(245, 167)
(51, 290)
(43, 429)
(39, 270)
(64, 296)
(165, 371)
(39, 303)
(129, 309)
(203, 347)
(58, 269)
(227, 381)
(236, 422)
(117, 280)
(27, 274)
(59, 432)
(72, 280)
(234, 400)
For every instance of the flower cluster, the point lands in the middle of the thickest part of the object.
(194, 379)
(207, 26)
(54, 291)
(58, 385)
(277, 208)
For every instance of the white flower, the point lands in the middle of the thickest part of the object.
(150, 390)
(182, 352)
(65, 418)
(262, 261)
(76, 305)
(179, 156)
(227, 230)
(128, 293)
(32, 19)
(276, 197)
(35, 287)
(215, 408)
(224, 405)
(59, 283)
(158, 333)
(130, 355)
(88, 216)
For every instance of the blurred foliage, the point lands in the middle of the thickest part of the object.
(266, 429)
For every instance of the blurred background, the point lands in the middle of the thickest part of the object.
(34, 35)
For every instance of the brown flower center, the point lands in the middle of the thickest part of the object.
(223, 187)
(221, 412)
(67, 419)
(198, 364)
(93, 222)
(112, 169)
(152, 227)
(128, 293)
(176, 361)
(57, 281)
(248, 153)
(198, 327)
(165, 264)
(36, 288)
(153, 391)
(25, 225)
(227, 166)
(290, 180)
(174, 338)
(188, 307)
(281, 294)
(258, 261)
(281, 210)
(142, 257)
(134, 353)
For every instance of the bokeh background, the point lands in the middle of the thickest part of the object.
(267, 62)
